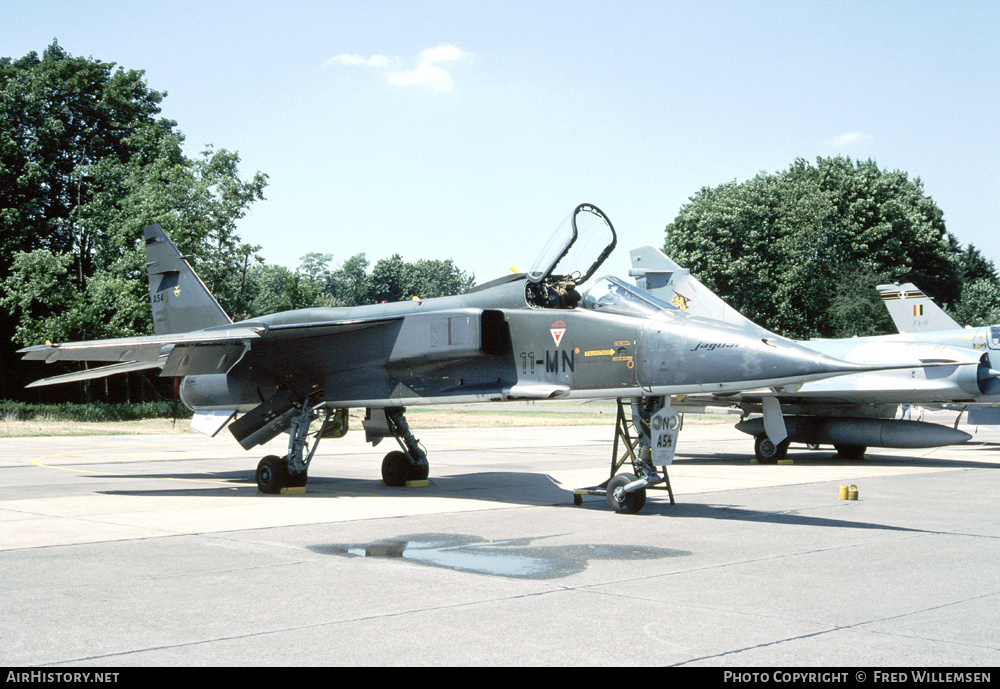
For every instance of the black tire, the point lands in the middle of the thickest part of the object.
(272, 474)
(767, 452)
(629, 503)
(851, 451)
(396, 469)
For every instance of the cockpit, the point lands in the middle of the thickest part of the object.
(570, 257)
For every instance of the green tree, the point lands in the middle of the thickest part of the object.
(980, 304)
(276, 288)
(391, 279)
(350, 285)
(798, 251)
(428, 278)
(85, 163)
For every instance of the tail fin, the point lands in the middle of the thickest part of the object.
(913, 311)
(655, 273)
(181, 302)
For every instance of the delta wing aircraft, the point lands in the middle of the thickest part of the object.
(919, 319)
(850, 412)
(527, 336)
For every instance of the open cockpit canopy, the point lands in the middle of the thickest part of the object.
(577, 248)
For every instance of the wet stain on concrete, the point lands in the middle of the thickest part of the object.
(518, 558)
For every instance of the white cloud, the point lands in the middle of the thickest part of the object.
(428, 71)
(441, 53)
(379, 61)
(425, 74)
(850, 138)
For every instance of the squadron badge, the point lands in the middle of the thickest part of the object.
(558, 329)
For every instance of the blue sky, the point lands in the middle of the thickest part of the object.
(468, 130)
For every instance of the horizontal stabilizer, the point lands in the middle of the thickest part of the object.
(99, 372)
(134, 348)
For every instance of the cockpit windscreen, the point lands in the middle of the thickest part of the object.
(612, 295)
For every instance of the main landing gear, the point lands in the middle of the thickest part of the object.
(625, 492)
(409, 462)
(400, 467)
(278, 474)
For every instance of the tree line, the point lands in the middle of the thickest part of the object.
(800, 251)
(86, 161)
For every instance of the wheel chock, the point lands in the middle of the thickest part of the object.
(786, 461)
(423, 483)
(293, 490)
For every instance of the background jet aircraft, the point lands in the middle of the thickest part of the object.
(921, 320)
(852, 412)
(525, 336)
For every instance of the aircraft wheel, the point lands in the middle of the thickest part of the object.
(851, 451)
(272, 474)
(622, 502)
(397, 469)
(767, 451)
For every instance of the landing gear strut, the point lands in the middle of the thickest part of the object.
(274, 474)
(409, 463)
(626, 493)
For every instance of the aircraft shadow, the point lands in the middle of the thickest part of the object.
(517, 488)
(729, 513)
(506, 487)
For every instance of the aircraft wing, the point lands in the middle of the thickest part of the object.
(182, 354)
(310, 348)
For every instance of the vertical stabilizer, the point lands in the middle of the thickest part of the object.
(913, 311)
(655, 273)
(181, 302)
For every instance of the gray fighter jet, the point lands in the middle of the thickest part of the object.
(919, 319)
(851, 412)
(530, 336)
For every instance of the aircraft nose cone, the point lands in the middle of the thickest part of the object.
(719, 359)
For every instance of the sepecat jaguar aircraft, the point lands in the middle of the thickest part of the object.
(526, 336)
